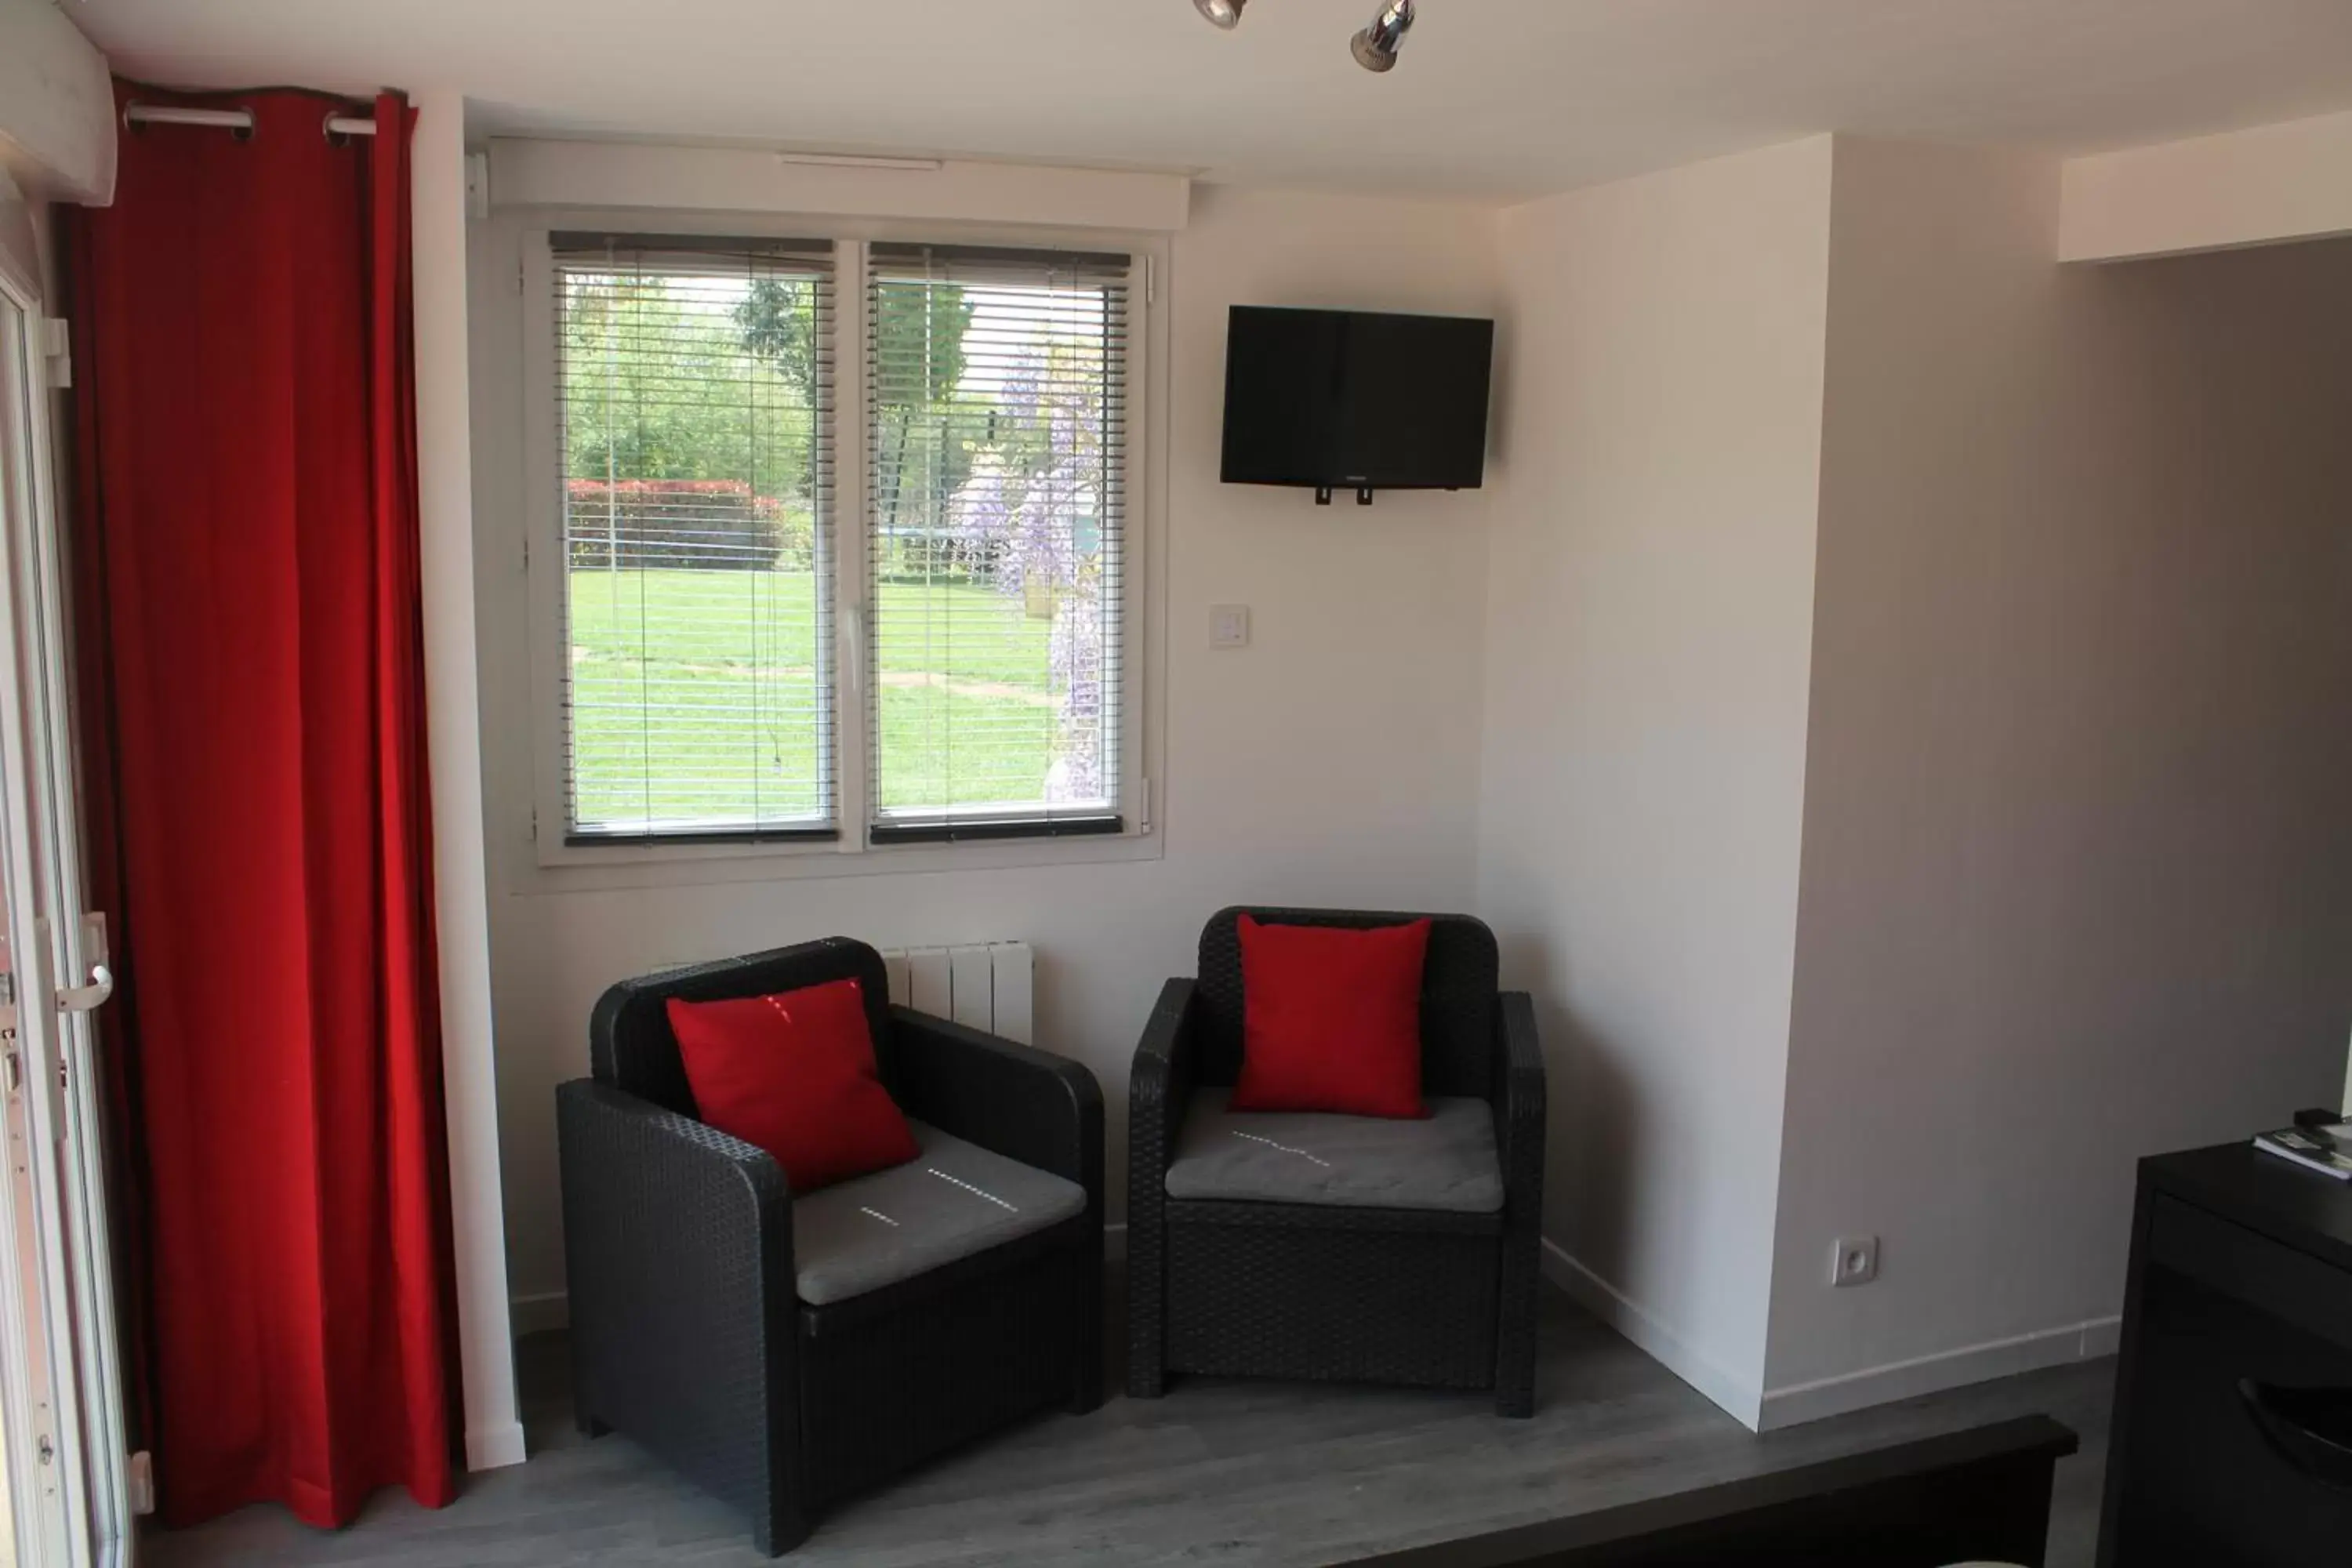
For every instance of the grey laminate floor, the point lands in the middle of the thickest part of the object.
(1217, 1472)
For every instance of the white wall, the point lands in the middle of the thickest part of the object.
(1874, 683)
(494, 1434)
(2077, 877)
(1334, 761)
(1649, 623)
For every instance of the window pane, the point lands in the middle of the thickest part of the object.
(997, 454)
(693, 396)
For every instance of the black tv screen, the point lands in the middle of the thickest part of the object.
(1354, 400)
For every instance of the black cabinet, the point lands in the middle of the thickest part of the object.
(2232, 1440)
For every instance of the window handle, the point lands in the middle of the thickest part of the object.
(83, 998)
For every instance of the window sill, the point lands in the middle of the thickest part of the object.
(560, 869)
(980, 830)
(749, 839)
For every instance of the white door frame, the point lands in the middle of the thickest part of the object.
(78, 1462)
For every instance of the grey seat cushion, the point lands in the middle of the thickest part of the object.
(1445, 1162)
(953, 1200)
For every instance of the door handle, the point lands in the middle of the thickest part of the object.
(2310, 1428)
(82, 998)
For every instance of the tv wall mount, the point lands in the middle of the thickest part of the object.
(1323, 493)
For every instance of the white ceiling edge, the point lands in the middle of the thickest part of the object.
(576, 174)
(2267, 186)
(1496, 100)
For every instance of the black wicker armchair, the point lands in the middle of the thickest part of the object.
(778, 1352)
(1408, 1253)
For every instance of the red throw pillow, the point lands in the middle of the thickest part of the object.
(794, 1074)
(1332, 1019)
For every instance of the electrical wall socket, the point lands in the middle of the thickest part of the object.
(1855, 1261)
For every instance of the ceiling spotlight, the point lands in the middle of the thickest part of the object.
(1376, 46)
(1226, 14)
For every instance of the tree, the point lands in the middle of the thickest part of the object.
(649, 368)
(919, 330)
(659, 407)
(775, 321)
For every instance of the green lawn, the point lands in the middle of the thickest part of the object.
(695, 695)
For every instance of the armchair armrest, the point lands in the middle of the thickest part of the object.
(679, 1254)
(1521, 1105)
(1160, 1085)
(1521, 1100)
(1024, 1104)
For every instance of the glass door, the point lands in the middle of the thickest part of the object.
(60, 1392)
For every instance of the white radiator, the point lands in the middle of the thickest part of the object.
(988, 986)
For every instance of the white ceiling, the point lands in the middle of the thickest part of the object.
(1493, 97)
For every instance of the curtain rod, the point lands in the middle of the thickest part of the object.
(237, 119)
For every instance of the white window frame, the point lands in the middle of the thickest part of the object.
(1140, 664)
(74, 1507)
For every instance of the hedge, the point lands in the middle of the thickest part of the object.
(715, 525)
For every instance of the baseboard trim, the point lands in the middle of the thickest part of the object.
(495, 1447)
(1828, 1396)
(1647, 1330)
(539, 1313)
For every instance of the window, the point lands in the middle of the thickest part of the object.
(995, 501)
(694, 410)
(984, 692)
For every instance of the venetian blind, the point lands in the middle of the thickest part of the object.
(996, 508)
(694, 402)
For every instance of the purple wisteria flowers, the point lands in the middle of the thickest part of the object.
(1035, 509)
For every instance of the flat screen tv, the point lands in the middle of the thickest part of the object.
(1347, 400)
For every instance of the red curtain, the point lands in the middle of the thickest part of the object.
(253, 686)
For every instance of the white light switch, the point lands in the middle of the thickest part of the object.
(1229, 626)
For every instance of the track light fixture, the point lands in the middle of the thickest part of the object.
(1376, 46)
